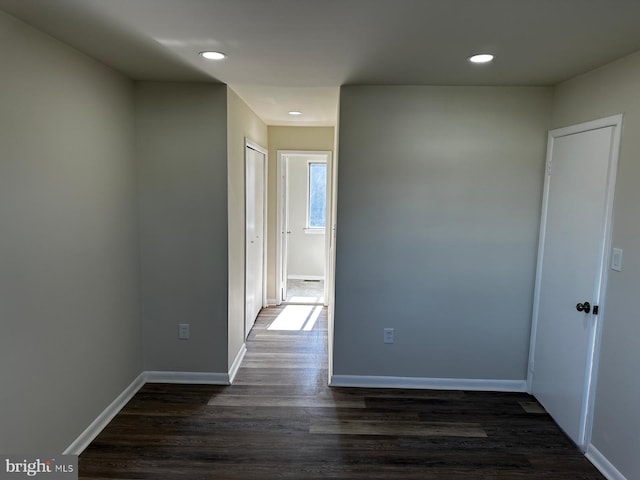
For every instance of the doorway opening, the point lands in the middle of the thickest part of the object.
(304, 224)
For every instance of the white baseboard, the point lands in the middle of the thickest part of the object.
(428, 383)
(305, 277)
(102, 420)
(271, 302)
(603, 464)
(236, 363)
(212, 378)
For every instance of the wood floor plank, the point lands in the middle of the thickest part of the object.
(532, 407)
(372, 427)
(284, 401)
(280, 420)
(281, 376)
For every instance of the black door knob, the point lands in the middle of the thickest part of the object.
(584, 307)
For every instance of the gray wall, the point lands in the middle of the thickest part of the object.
(438, 211)
(69, 331)
(182, 180)
(614, 89)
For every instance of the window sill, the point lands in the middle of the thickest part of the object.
(314, 231)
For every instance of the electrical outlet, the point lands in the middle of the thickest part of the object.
(389, 335)
(183, 331)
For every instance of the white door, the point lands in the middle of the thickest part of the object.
(254, 284)
(574, 242)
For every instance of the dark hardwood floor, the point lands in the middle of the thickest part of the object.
(279, 420)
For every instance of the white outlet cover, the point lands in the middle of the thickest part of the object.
(616, 259)
(388, 335)
(183, 331)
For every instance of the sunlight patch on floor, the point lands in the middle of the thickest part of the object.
(296, 317)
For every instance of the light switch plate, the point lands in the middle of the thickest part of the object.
(616, 259)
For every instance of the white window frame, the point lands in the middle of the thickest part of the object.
(309, 229)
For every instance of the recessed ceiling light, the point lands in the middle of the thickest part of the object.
(295, 112)
(481, 58)
(213, 55)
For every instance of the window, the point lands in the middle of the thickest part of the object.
(317, 201)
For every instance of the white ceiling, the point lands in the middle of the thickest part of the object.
(294, 54)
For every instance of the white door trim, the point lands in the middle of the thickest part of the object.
(257, 147)
(281, 220)
(614, 121)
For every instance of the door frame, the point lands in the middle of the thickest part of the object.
(600, 287)
(248, 143)
(282, 201)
